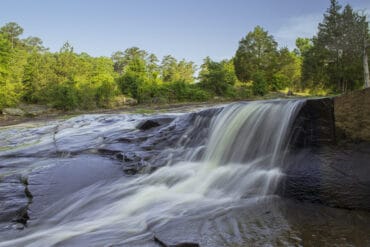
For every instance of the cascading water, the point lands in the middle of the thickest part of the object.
(247, 143)
(242, 158)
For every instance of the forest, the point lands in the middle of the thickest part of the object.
(333, 61)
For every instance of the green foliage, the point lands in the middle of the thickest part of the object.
(333, 60)
(12, 62)
(330, 61)
(303, 45)
(288, 71)
(259, 60)
(12, 31)
(217, 77)
(256, 52)
(65, 97)
(142, 78)
(130, 83)
(172, 70)
(260, 86)
(5, 54)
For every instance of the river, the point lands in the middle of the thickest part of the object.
(210, 177)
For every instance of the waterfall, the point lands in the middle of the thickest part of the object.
(243, 157)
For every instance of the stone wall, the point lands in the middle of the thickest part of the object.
(352, 115)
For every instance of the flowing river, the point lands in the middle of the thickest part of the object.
(210, 177)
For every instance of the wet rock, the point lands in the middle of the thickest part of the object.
(62, 177)
(152, 123)
(13, 200)
(128, 157)
(134, 168)
(314, 125)
(336, 176)
(185, 244)
(179, 232)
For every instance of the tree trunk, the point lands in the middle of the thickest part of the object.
(366, 70)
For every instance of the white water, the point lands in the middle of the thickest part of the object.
(243, 156)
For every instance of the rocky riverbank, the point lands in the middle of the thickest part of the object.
(70, 164)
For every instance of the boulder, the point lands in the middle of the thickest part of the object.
(34, 110)
(13, 112)
(155, 122)
(130, 101)
(147, 124)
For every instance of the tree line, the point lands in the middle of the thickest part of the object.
(335, 61)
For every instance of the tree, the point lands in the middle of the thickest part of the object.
(5, 55)
(217, 77)
(257, 52)
(288, 72)
(168, 68)
(12, 31)
(303, 45)
(34, 43)
(134, 77)
(366, 46)
(340, 34)
(153, 67)
(337, 57)
(172, 70)
(118, 61)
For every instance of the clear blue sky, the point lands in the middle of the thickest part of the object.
(190, 29)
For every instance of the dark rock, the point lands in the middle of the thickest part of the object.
(182, 231)
(322, 171)
(147, 124)
(152, 123)
(336, 176)
(13, 199)
(138, 167)
(128, 157)
(157, 240)
(314, 125)
(63, 177)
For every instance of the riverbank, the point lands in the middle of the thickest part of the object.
(53, 114)
(120, 171)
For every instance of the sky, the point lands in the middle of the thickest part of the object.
(186, 29)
